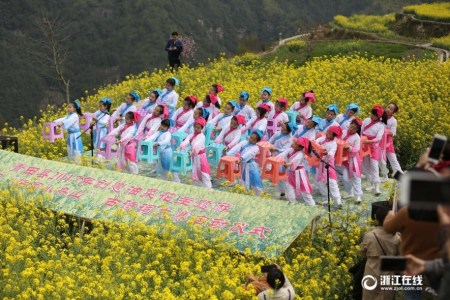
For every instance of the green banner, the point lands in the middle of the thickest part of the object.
(265, 225)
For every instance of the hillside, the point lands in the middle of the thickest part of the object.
(107, 39)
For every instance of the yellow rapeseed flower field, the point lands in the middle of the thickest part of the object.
(438, 11)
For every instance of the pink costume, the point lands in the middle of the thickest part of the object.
(229, 137)
(180, 117)
(200, 167)
(305, 111)
(353, 167)
(127, 146)
(148, 126)
(298, 182)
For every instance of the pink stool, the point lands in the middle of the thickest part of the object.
(272, 127)
(341, 154)
(51, 132)
(109, 151)
(271, 170)
(111, 123)
(264, 152)
(85, 121)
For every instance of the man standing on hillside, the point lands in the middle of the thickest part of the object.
(174, 47)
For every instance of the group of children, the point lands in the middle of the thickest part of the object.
(239, 128)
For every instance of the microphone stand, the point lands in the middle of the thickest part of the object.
(91, 128)
(327, 166)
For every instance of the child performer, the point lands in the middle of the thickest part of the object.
(223, 119)
(258, 122)
(149, 104)
(168, 96)
(183, 114)
(199, 112)
(329, 120)
(298, 182)
(266, 92)
(344, 119)
(373, 129)
(126, 107)
(389, 153)
(243, 108)
(309, 129)
(328, 142)
(127, 144)
(150, 123)
(282, 140)
(215, 89)
(279, 117)
(301, 106)
(211, 104)
(351, 169)
(231, 134)
(247, 151)
(201, 173)
(71, 124)
(101, 121)
(162, 140)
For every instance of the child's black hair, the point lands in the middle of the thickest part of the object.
(262, 112)
(383, 118)
(355, 110)
(208, 99)
(281, 104)
(156, 93)
(201, 113)
(162, 108)
(257, 136)
(288, 127)
(275, 278)
(166, 123)
(171, 81)
(130, 115)
(191, 104)
(78, 110)
(396, 106)
(216, 89)
(108, 105)
(231, 104)
(358, 127)
(132, 97)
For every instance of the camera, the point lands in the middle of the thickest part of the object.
(422, 192)
(266, 269)
(393, 263)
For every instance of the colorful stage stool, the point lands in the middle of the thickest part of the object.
(147, 152)
(110, 150)
(312, 159)
(229, 168)
(292, 114)
(214, 152)
(272, 127)
(272, 170)
(177, 138)
(364, 148)
(51, 132)
(264, 152)
(111, 123)
(85, 122)
(209, 134)
(341, 154)
(181, 162)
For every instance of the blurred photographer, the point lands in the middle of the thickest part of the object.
(422, 189)
(272, 285)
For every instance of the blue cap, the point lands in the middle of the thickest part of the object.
(292, 126)
(77, 104)
(234, 103)
(136, 96)
(353, 106)
(106, 100)
(317, 120)
(259, 133)
(266, 89)
(177, 82)
(205, 113)
(244, 95)
(333, 107)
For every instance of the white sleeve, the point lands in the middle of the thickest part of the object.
(165, 139)
(236, 138)
(70, 121)
(215, 119)
(250, 154)
(118, 110)
(235, 150)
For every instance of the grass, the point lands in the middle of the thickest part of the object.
(299, 52)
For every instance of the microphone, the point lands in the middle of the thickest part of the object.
(315, 153)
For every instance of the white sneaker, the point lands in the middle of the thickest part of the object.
(358, 200)
(348, 195)
(370, 187)
(377, 189)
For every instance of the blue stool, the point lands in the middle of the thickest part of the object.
(214, 153)
(147, 152)
(209, 129)
(181, 162)
(292, 116)
(177, 138)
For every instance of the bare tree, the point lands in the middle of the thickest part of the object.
(54, 31)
